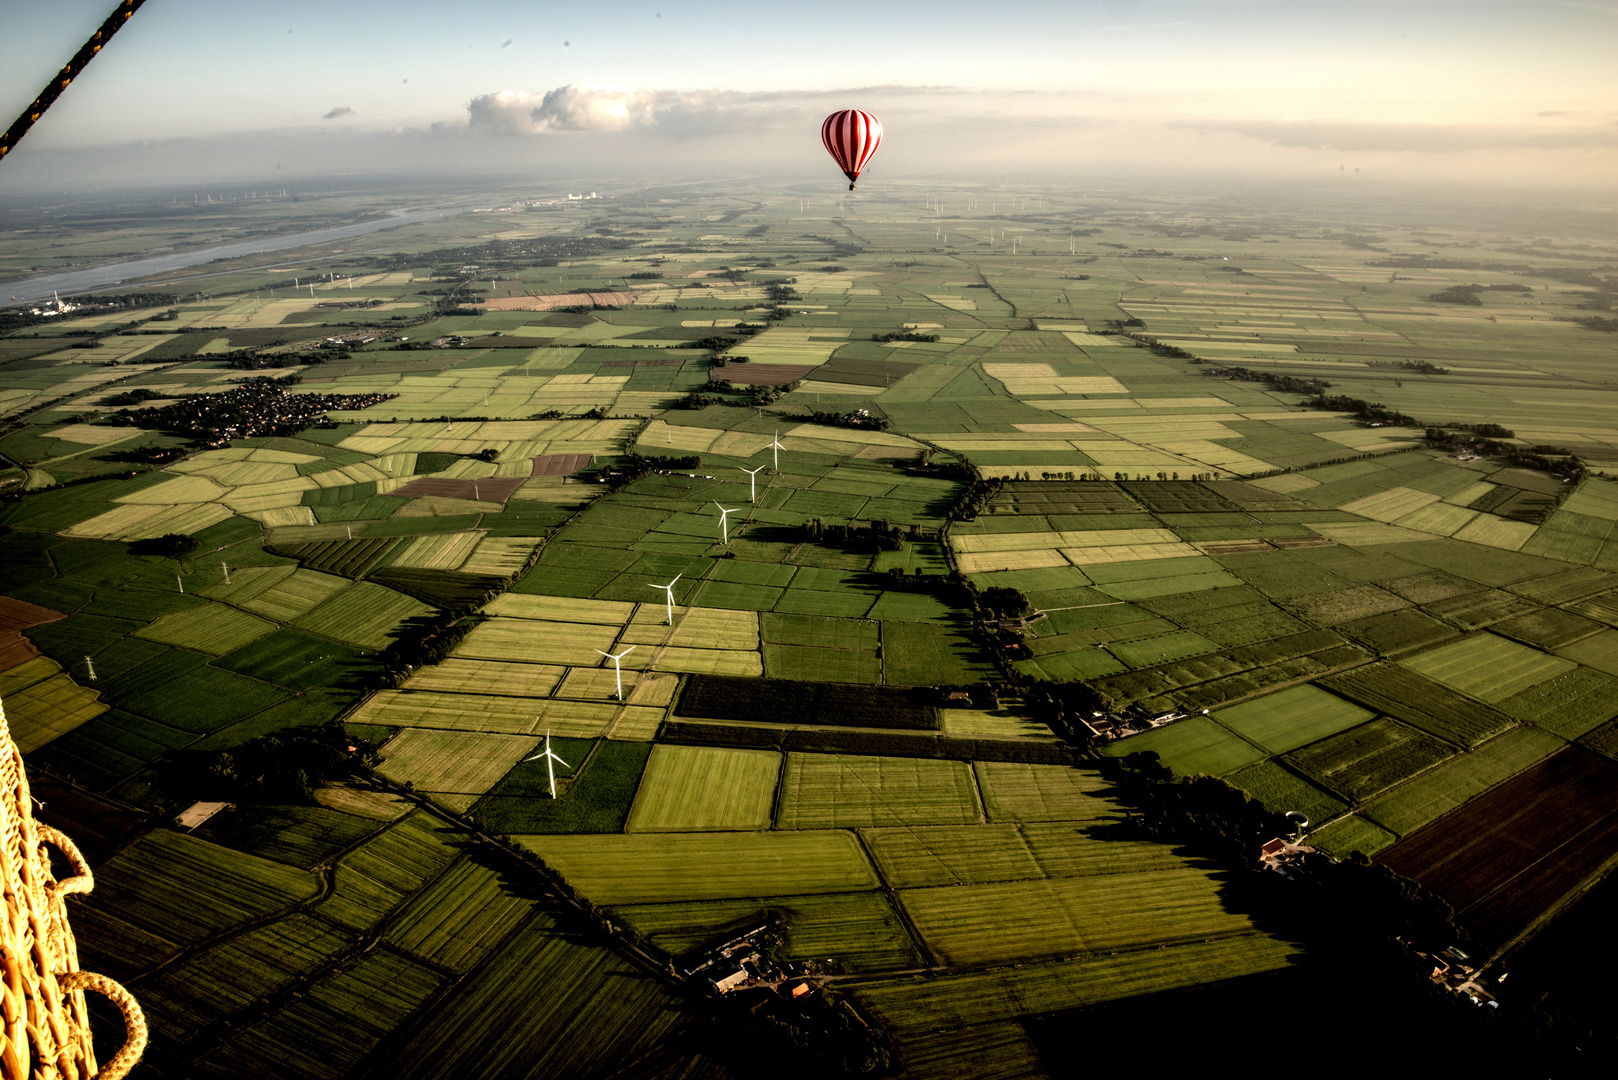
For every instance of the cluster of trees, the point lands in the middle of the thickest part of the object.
(276, 769)
(19, 318)
(974, 498)
(636, 465)
(697, 400)
(168, 546)
(1421, 367)
(1005, 602)
(1471, 294)
(1369, 411)
(131, 397)
(860, 418)
(903, 335)
(1556, 460)
(422, 640)
(872, 536)
(145, 455)
(1157, 347)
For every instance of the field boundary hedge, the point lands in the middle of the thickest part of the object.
(885, 744)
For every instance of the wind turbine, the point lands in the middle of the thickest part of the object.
(669, 588)
(752, 483)
(550, 769)
(724, 523)
(617, 668)
(776, 444)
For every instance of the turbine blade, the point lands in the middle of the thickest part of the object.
(563, 763)
(676, 578)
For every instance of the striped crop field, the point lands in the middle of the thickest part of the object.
(535, 642)
(212, 628)
(919, 1009)
(1440, 519)
(702, 788)
(1390, 504)
(1197, 745)
(299, 592)
(694, 661)
(491, 713)
(560, 609)
(362, 615)
(967, 924)
(988, 562)
(694, 627)
(1123, 553)
(500, 556)
(911, 858)
(377, 877)
(460, 918)
(836, 791)
(1488, 667)
(463, 676)
(1370, 758)
(246, 583)
(164, 872)
(142, 522)
(1496, 532)
(49, 708)
(655, 867)
(546, 1003)
(438, 551)
(453, 762)
(601, 684)
(1292, 718)
(1438, 791)
(1016, 791)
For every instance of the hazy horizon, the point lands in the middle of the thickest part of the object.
(1502, 93)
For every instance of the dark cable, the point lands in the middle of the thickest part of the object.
(54, 88)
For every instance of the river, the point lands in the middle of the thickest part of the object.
(96, 278)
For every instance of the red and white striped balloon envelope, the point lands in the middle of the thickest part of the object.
(851, 137)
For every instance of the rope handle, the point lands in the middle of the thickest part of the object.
(134, 1019)
(82, 880)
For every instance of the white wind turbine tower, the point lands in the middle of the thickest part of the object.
(724, 523)
(669, 588)
(550, 768)
(776, 444)
(617, 668)
(752, 483)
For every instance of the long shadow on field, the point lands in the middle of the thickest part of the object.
(1355, 985)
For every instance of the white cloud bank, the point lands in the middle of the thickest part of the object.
(575, 107)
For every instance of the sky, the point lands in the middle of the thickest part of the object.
(1511, 91)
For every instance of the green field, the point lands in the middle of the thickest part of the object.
(836, 791)
(1195, 745)
(1292, 718)
(649, 868)
(1350, 620)
(699, 788)
(966, 924)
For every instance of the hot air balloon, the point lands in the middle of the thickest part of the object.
(851, 137)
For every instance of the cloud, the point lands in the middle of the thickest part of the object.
(575, 107)
(341, 110)
(579, 107)
(1422, 138)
